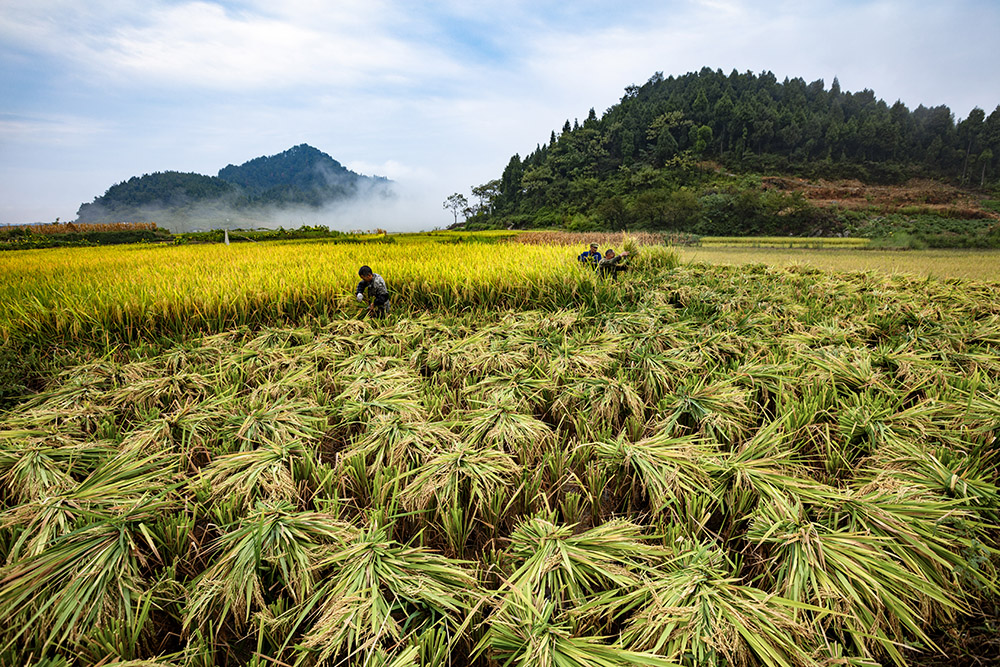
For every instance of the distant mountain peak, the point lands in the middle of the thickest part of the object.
(300, 176)
(300, 166)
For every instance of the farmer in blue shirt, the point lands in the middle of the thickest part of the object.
(591, 257)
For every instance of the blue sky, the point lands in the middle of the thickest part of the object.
(435, 95)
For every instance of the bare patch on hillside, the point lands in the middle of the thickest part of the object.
(914, 197)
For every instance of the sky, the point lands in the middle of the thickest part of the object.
(434, 95)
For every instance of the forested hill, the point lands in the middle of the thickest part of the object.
(302, 173)
(630, 164)
(300, 176)
(169, 190)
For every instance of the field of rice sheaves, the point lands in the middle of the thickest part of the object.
(702, 465)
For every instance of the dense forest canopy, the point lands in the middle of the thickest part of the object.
(301, 175)
(644, 151)
(303, 172)
(164, 189)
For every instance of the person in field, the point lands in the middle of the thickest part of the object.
(377, 291)
(590, 257)
(612, 264)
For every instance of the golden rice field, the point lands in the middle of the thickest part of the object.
(828, 254)
(980, 265)
(784, 242)
(582, 240)
(722, 463)
(134, 291)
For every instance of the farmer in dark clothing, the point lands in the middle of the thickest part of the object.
(612, 264)
(377, 291)
(590, 257)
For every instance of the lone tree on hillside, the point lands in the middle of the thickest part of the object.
(456, 203)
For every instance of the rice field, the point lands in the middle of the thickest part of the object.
(784, 241)
(524, 464)
(131, 293)
(68, 227)
(976, 265)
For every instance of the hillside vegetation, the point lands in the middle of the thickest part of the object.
(694, 153)
(300, 176)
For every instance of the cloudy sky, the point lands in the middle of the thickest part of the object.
(435, 95)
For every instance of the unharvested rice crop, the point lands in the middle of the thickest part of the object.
(583, 240)
(523, 465)
(131, 293)
(71, 227)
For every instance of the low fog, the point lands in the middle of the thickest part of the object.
(404, 208)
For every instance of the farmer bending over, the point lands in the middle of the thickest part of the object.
(377, 290)
(590, 257)
(612, 264)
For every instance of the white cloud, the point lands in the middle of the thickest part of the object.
(732, 9)
(200, 44)
(391, 169)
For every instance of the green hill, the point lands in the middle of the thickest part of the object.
(300, 176)
(169, 191)
(691, 153)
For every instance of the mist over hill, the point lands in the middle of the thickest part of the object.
(300, 183)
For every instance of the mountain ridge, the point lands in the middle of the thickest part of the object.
(300, 176)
